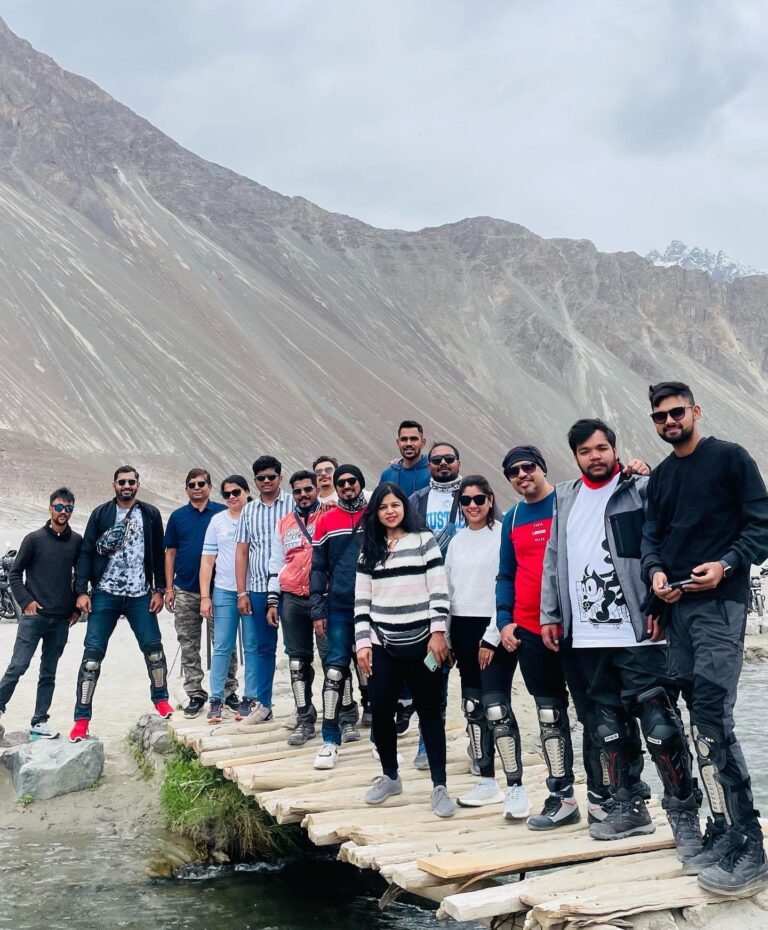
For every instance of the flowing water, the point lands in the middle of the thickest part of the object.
(102, 884)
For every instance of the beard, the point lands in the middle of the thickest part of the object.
(599, 473)
(685, 433)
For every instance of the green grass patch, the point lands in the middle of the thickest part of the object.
(144, 765)
(201, 804)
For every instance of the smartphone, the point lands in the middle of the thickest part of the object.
(677, 585)
(431, 662)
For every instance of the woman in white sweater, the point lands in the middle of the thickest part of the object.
(471, 565)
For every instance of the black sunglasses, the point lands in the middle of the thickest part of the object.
(235, 492)
(346, 482)
(298, 492)
(121, 482)
(514, 470)
(659, 417)
(437, 459)
(272, 476)
(67, 508)
(466, 499)
(197, 485)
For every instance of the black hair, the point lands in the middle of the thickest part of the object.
(239, 481)
(62, 494)
(478, 481)
(373, 550)
(198, 473)
(325, 458)
(411, 424)
(583, 429)
(657, 392)
(123, 470)
(449, 444)
(303, 475)
(266, 461)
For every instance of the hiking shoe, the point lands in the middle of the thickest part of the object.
(597, 807)
(349, 732)
(421, 761)
(246, 706)
(292, 720)
(383, 787)
(215, 710)
(305, 730)
(377, 757)
(404, 717)
(326, 756)
(42, 731)
(259, 714)
(232, 701)
(683, 817)
(79, 731)
(559, 810)
(717, 842)
(486, 791)
(628, 816)
(441, 803)
(742, 871)
(516, 803)
(367, 718)
(195, 705)
(164, 709)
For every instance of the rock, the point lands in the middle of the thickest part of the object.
(47, 768)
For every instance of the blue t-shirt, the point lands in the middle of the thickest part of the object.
(185, 533)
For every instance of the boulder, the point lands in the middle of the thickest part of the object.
(46, 768)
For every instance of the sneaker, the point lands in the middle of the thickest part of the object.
(441, 803)
(421, 761)
(377, 757)
(326, 756)
(215, 711)
(404, 717)
(486, 791)
(42, 731)
(164, 709)
(349, 732)
(305, 730)
(246, 706)
(232, 701)
(292, 720)
(742, 871)
(383, 787)
(559, 810)
(79, 731)
(367, 718)
(259, 714)
(717, 842)
(195, 705)
(598, 807)
(517, 805)
(628, 816)
(683, 817)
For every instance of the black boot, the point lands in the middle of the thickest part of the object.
(715, 845)
(683, 817)
(628, 816)
(743, 870)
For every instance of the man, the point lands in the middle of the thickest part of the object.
(42, 583)
(289, 568)
(707, 524)
(324, 467)
(184, 538)
(437, 502)
(255, 532)
(593, 589)
(411, 471)
(123, 561)
(336, 547)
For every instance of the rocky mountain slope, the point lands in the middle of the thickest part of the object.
(159, 308)
(717, 264)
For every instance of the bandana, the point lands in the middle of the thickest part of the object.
(523, 454)
(354, 506)
(305, 512)
(445, 485)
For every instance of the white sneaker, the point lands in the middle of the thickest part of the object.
(42, 731)
(377, 757)
(486, 791)
(326, 756)
(516, 804)
(259, 714)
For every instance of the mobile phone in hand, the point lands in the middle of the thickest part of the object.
(677, 585)
(431, 662)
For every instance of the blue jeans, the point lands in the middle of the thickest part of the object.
(226, 621)
(265, 650)
(340, 630)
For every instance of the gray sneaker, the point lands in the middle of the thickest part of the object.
(383, 787)
(441, 803)
(742, 871)
(349, 732)
(305, 730)
(42, 731)
(717, 842)
(421, 762)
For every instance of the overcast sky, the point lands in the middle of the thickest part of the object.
(628, 124)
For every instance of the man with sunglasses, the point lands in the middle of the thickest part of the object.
(41, 580)
(707, 525)
(255, 532)
(184, 538)
(123, 561)
(411, 470)
(437, 503)
(324, 466)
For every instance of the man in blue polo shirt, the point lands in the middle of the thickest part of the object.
(184, 537)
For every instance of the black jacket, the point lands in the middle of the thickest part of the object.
(91, 565)
(42, 571)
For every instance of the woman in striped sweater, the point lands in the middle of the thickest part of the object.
(401, 607)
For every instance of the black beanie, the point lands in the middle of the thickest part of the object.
(523, 454)
(349, 470)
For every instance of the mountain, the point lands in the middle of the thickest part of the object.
(717, 264)
(164, 310)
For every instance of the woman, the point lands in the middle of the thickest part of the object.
(401, 608)
(219, 551)
(486, 679)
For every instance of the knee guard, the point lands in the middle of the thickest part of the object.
(333, 686)
(711, 756)
(555, 733)
(301, 683)
(347, 693)
(155, 659)
(666, 742)
(613, 736)
(506, 734)
(90, 669)
(478, 731)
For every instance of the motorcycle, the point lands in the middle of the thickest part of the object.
(9, 609)
(756, 596)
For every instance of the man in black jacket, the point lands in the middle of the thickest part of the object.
(41, 581)
(123, 561)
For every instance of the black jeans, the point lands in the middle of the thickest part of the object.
(388, 675)
(54, 632)
(298, 635)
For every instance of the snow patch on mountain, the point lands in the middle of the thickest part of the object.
(717, 264)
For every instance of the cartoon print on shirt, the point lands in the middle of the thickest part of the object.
(600, 598)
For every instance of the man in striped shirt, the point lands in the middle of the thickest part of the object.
(254, 546)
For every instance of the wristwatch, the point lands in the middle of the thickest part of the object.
(727, 569)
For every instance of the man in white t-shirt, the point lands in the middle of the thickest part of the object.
(592, 592)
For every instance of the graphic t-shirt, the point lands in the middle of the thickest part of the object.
(439, 505)
(124, 574)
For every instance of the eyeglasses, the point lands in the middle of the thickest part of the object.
(437, 459)
(346, 482)
(121, 482)
(328, 470)
(67, 508)
(272, 476)
(514, 470)
(299, 492)
(659, 417)
(235, 492)
(197, 485)
(466, 499)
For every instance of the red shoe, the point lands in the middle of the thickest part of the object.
(79, 731)
(164, 709)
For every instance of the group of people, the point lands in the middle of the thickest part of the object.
(619, 591)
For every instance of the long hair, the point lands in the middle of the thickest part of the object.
(478, 481)
(374, 551)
